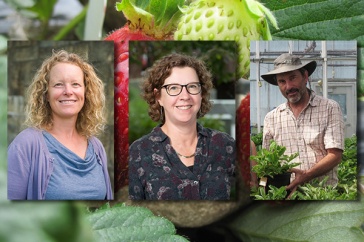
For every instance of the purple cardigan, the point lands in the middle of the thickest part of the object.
(30, 166)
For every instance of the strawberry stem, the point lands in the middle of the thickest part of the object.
(156, 18)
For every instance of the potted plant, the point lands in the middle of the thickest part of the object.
(272, 165)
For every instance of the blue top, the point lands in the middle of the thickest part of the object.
(30, 165)
(73, 177)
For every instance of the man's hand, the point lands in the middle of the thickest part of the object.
(300, 178)
(327, 163)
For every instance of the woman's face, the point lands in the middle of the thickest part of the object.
(66, 90)
(182, 108)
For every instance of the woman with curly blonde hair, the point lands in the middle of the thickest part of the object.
(180, 159)
(58, 156)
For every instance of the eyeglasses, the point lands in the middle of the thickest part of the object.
(175, 89)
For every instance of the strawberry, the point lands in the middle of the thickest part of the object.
(243, 139)
(121, 110)
(152, 21)
(239, 20)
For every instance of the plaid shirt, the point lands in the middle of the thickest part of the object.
(318, 127)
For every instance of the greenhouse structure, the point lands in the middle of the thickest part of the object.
(335, 76)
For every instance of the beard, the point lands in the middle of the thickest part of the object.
(294, 95)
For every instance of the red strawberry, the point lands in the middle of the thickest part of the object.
(243, 138)
(142, 25)
(121, 38)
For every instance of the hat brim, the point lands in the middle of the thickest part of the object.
(270, 76)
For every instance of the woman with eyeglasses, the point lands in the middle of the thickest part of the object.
(180, 159)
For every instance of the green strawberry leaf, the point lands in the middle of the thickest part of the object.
(133, 13)
(164, 10)
(321, 20)
(155, 18)
(126, 223)
(260, 10)
(301, 221)
(318, 20)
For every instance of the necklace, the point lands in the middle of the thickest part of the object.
(188, 156)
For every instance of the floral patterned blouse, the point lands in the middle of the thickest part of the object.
(157, 173)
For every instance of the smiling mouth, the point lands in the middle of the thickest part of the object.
(184, 107)
(292, 92)
(67, 101)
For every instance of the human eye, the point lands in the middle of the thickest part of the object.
(193, 86)
(293, 77)
(58, 84)
(76, 84)
(174, 87)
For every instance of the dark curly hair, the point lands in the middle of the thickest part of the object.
(162, 69)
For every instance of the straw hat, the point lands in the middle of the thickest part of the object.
(287, 62)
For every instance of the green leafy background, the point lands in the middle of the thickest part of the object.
(301, 221)
(126, 223)
(322, 20)
(298, 221)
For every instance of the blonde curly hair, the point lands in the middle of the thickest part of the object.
(91, 119)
